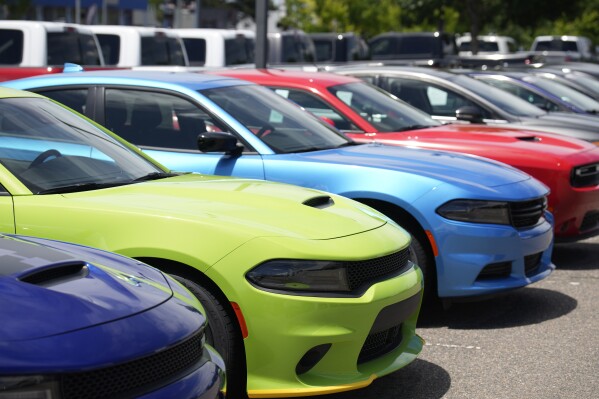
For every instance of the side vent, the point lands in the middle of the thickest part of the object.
(321, 202)
(57, 273)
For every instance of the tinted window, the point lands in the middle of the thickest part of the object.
(526, 94)
(281, 125)
(156, 119)
(11, 46)
(72, 46)
(506, 101)
(72, 98)
(430, 98)
(380, 109)
(111, 47)
(196, 51)
(239, 50)
(160, 49)
(318, 107)
(50, 149)
(297, 48)
(324, 49)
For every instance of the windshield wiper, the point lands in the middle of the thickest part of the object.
(154, 176)
(73, 188)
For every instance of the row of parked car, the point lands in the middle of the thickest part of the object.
(310, 265)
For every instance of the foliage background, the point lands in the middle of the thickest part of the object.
(522, 20)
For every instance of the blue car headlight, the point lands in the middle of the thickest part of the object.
(301, 276)
(476, 211)
(28, 387)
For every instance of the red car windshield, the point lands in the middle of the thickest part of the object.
(382, 110)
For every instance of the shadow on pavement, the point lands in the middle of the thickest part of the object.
(522, 307)
(419, 380)
(583, 255)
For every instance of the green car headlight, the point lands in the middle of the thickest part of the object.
(476, 211)
(296, 276)
(28, 387)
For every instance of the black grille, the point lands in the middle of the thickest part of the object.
(527, 213)
(495, 270)
(379, 343)
(531, 264)
(367, 272)
(585, 176)
(141, 375)
(590, 221)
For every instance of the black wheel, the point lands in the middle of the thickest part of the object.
(223, 334)
(41, 158)
(424, 259)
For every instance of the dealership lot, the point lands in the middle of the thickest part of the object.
(537, 342)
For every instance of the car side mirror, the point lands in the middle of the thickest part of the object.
(469, 113)
(219, 142)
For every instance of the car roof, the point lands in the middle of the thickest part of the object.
(390, 69)
(193, 81)
(288, 76)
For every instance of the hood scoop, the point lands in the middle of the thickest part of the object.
(57, 273)
(320, 202)
(529, 138)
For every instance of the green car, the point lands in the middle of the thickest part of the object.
(306, 292)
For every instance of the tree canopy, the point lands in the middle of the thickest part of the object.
(522, 20)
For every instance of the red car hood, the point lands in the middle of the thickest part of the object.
(516, 147)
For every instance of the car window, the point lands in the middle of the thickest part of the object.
(72, 46)
(11, 46)
(239, 50)
(318, 107)
(111, 47)
(196, 51)
(49, 148)
(524, 93)
(72, 98)
(280, 124)
(156, 119)
(380, 109)
(430, 98)
(160, 49)
(565, 93)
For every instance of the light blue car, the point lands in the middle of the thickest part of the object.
(479, 227)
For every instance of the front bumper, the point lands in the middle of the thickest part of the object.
(486, 259)
(308, 345)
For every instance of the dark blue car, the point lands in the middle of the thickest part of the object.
(78, 322)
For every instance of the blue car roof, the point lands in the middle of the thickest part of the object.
(193, 81)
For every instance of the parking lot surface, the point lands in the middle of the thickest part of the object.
(541, 341)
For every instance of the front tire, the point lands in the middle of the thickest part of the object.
(222, 333)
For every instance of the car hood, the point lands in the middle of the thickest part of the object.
(49, 291)
(499, 142)
(246, 208)
(580, 126)
(441, 166)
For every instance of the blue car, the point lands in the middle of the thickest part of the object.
(479, 227)
(81, 323)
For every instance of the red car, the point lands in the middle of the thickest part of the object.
(569, 167)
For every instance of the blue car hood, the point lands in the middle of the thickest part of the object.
(48, 291)
(442, 166)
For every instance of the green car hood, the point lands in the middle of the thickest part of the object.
(214, 214)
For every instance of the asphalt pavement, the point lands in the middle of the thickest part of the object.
(538, 342)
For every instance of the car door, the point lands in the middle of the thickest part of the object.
(165, 125)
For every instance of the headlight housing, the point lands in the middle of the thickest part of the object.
(28, 387)
(296, 276)
(476, 211)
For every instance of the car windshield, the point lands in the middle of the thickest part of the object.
(565, 93)
(382, 110)
(506, 101)
(50, 149)
(281, 124)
